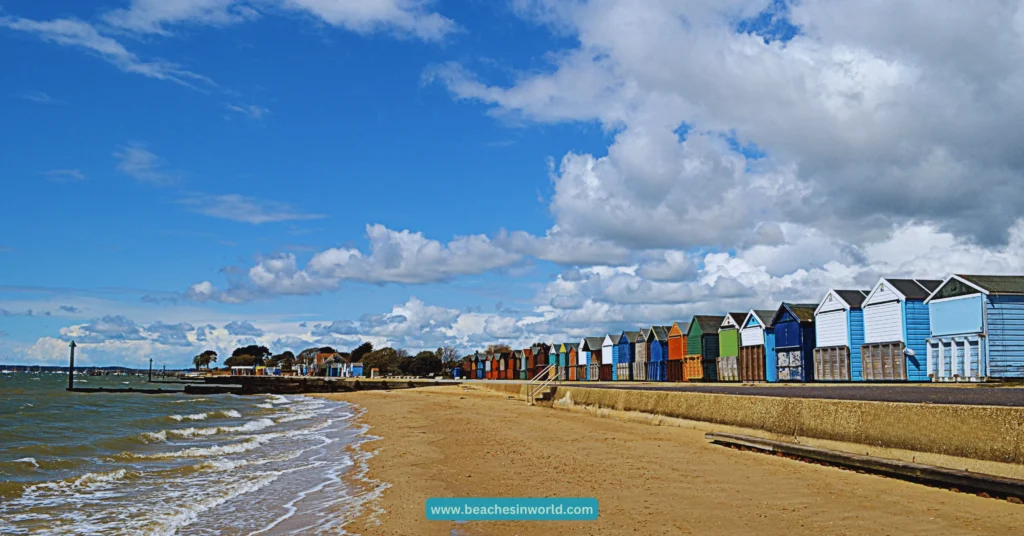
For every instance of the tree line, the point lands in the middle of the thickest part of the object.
(387, 360)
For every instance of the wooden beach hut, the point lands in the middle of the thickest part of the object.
(658, 349)
(541, 357)
(530, 362)
(729, 347)
(896, 330)
(572, 357)
(583, 359)
(593, 346)
(642, 354)
(794, 341)
(609, 357)
(977, 328)
(520, 364)
(627, 355)
(701, 359)
(757, 348)
(676, 351)
(839, 334)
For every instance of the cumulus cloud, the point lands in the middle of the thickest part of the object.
(860, 123)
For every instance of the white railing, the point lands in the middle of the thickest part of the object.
(539, 382)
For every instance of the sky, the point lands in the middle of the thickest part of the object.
(182, 175)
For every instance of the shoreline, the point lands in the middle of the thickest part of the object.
(464, 441)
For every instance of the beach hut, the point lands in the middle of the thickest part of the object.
(481, 365)
(839, 334)
(701, 359)
(520, 370)
(977, 328)
(530, 362)
(896, 330)
(593, 345)
(793, 324)
(757, 348)
(609, 357)
(676, 351)
(626, 356)
(729, 347)
(642, 355)
(658, 353)
(488, 367)
(583, 360)
(572, 350)
(541, 358)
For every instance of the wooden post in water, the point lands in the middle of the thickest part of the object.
(151, 370)
(71, 368)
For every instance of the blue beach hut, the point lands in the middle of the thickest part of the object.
(626, 355)
(977, 328)
(657, 353)
(839, 333)
(793, 324)
(896, 328)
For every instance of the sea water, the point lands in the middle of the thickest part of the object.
(105, 463)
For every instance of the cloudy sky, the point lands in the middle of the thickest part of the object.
(191, 174)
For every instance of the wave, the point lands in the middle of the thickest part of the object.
(184, 400)
(27, 460)
(231, 413)
(150, 437)
(193, 417)
(216, 450)
(268, 405)
(278, 399)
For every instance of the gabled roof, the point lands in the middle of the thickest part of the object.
(908, 289)
(708, 324)
(645, 334)
(1012, 285)
(593, 343)
(684, 327)
(764, 317)
(996, 284)
(660, 333)
(610, 340)
(629, 335)
(519, 354)
(572, 346)
(853, 299)
(737, 318)
(803, 312)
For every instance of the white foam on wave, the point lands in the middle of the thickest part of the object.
(217, 450)
(184, 400)
(28, 460)
(193, 417)
(231, 413)
(155, 436)
(268, 405)
(278, 399)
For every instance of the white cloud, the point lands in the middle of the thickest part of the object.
(402, 17)
(40, 97)
(251, 111)
(867, 123)
(76, 33)
(240, 208)
(65, 175)
(136, 161)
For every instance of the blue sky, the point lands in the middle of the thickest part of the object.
(425, 173)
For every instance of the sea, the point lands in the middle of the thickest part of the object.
(105, 463)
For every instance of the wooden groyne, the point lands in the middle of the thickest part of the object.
(295, 385)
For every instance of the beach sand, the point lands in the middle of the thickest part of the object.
(461, 441)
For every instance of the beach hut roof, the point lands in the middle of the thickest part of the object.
(660, 333)
(572, 345)
(737, 318)
(853, 298)
(707, 323)
(519, 353)
(592, 343)
(963, 284)
(684, 327)
(803, 312)
(635, 336)
(763, 316)
(645, 334)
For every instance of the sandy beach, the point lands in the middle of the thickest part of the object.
(464, 441)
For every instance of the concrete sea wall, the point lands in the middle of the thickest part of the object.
(975, 432)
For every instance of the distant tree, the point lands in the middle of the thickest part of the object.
(285, 360)
(497, 349)
(240, 361)
(385, 360)
(327, 350)
(258, 352)
(425, 363)
(449, 358)
(360, 351)
(204, 359)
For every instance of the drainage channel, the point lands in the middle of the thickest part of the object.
(987, 486)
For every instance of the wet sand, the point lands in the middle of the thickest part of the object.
(469, 442)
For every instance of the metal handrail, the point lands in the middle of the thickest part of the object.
(533, 388)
